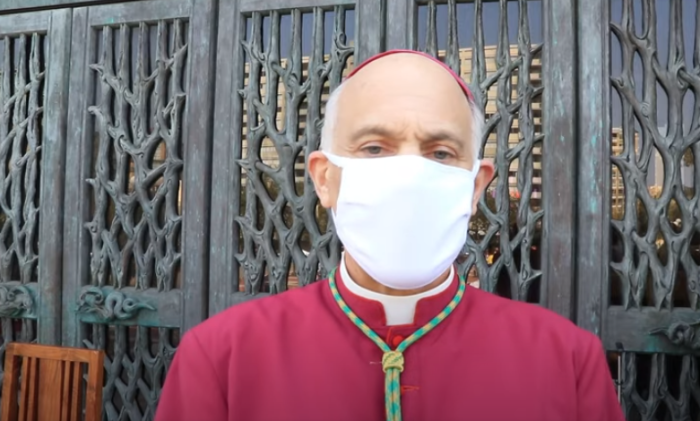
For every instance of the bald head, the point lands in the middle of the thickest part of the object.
(403, 102)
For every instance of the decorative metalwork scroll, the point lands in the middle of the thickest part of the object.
(15, 301)
(655, 169)
(504, 236)
(681, 334)
(22, 78)
(108, 304)
(141, 94)
(282, 229)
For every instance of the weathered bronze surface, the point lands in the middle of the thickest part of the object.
(15, 301)
(152, 169)
(652, 284)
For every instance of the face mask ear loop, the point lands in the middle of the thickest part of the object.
(336, 160)
(476, 167)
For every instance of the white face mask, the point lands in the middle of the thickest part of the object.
(404, 218)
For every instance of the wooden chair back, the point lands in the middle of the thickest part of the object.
(44, 383)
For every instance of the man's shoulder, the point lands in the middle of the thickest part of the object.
(532, 321)
(259, 313)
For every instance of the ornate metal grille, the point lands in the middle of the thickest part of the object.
(655, 246)
(140, 96)
(292, 62)
(107, 197)
(137, 168)
(503, 69)
(22, 76)
(653, 219)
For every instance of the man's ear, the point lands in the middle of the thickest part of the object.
(483, 179)
(318, 166)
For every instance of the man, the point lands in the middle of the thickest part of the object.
(394, 334)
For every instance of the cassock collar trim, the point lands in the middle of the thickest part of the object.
(372, 312)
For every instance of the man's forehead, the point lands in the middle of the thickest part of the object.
(397, 85)
(416, 96)
(416, 55)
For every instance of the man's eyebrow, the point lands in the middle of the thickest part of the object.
(375, 130)
(428, 136)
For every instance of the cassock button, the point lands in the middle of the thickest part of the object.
(397, 341)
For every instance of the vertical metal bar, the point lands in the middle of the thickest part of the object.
(197, 174)
(452, 54)
(431, 43)
(52, 183)
(227, 145)
(619, 378)
(478, 72)
(253, 259)
(369, 36)
(593, 169)
(559, 156)
(400, 34)
(78, 159)
(412, 26)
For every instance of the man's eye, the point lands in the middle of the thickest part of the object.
(373, 150)
(442, 155)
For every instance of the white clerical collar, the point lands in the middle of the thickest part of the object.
(398, 310)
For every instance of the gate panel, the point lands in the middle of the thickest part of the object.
(138, 201)
(33, 70)
(647, 151)
(275, 73)
(500, 49)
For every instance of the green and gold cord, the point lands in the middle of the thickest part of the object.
(392, 360)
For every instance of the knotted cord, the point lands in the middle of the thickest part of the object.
(393, 360)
